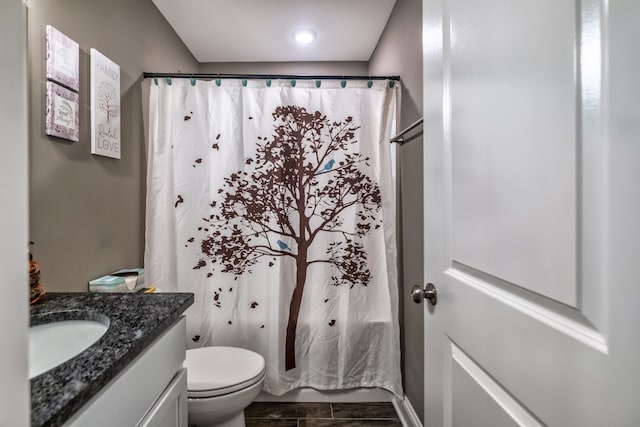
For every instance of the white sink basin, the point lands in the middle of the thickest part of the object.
(54, 343)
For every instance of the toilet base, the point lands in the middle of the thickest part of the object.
(237, 421)
(223, 411)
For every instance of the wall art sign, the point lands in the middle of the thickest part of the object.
(105, 106)
(62, 59)
(62, 118)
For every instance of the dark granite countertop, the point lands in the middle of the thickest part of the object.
(135, 321)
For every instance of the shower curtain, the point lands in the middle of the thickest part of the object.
(273, 202)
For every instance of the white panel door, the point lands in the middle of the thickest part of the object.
(532, 212)
(14, 216)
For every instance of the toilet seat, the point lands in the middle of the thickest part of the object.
(216, 371)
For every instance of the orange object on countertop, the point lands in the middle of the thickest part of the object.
(36, 290)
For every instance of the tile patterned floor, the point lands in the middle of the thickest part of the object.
(276, 414)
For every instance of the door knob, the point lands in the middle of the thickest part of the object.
(429, 293)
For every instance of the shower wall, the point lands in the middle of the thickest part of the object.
(399, 51)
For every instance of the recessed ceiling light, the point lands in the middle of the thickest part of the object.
(304, 36)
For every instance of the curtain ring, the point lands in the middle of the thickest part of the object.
(218, 82)
(268, 82)
(318, 83)
(293, 82)
(244, 82)
(193, 81)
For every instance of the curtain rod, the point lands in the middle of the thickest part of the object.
(264, 76)
(399, 138)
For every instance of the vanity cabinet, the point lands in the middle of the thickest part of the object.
(150, 392)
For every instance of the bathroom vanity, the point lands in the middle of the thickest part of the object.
(131, 376)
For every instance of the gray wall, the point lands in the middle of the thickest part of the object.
(14, 311)
(301, 68)
(87, 212)
(399, 51)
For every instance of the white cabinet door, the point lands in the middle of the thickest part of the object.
(170, 410)
(532, 212)
(145, 389)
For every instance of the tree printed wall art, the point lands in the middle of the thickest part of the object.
(302, 187)
(108, 100)
(105, 106)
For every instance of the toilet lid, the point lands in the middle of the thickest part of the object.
(213, 371)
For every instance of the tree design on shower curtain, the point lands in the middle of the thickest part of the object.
(305, 182)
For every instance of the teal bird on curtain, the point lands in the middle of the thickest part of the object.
(328, 165)
(283, 245)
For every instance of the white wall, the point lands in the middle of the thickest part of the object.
(14, 306)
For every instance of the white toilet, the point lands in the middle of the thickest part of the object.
(221, 383)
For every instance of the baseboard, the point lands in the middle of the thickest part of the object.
(406, 413)
(313, 395)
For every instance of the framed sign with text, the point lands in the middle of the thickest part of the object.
(62, 59)
(62, 118)
(105, 106)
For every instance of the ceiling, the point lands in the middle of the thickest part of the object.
(261, 30)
